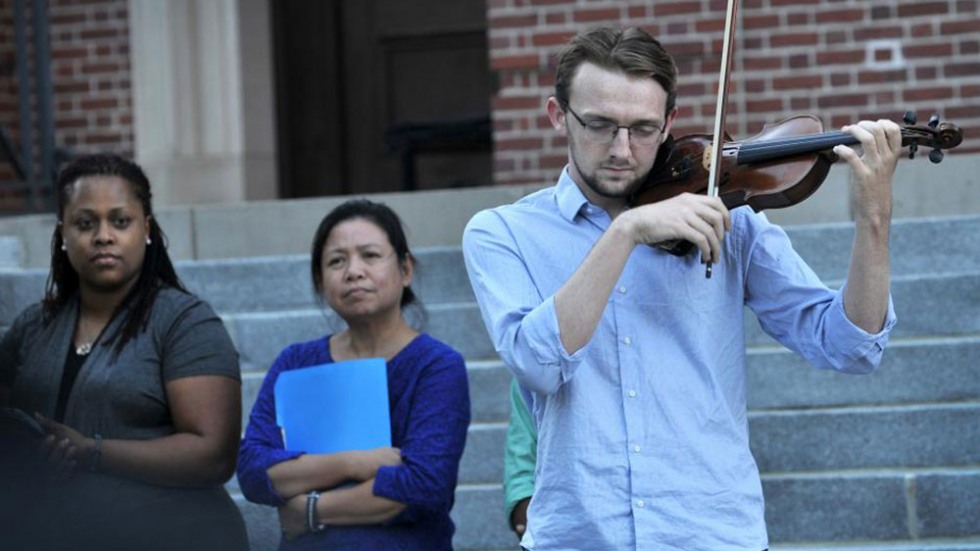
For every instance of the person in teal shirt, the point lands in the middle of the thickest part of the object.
(520, 452)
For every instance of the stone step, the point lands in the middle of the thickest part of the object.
(874, 505)
(262, 524)
(933, 306)
(942, 544)
(912, 372)
(926, 435)
(243, 285)
(257, 284)
(850, 509)
(926, 305)
(18, 290)
(926, 415)
(893, 437)
(911, 510)
(261, 336)
(11, 252)
(284, 282)
(918, 246)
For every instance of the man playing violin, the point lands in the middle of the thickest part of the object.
(634, 362)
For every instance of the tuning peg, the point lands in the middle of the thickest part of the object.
(933, 121)
(909, 118)
(936, 156)
(913, 147)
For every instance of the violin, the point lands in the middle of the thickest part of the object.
(779, 167)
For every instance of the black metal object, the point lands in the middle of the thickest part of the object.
(410, 139)
(8, 154)
(40, 154)
(23, 93)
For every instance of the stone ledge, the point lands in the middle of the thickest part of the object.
(11, 255)
(827, 441)
(799, 509)
(437, 218)
(940, 544)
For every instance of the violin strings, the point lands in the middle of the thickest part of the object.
(827, 137)
(761, 151)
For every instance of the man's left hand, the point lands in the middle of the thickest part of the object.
(873, 167)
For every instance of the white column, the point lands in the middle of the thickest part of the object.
(204, 119)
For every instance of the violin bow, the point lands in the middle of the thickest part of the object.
(721, 106)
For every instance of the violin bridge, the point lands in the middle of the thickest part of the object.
(706, 156)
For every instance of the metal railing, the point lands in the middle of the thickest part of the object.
(34, 164)
(410, 139)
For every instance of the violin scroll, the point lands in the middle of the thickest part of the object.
(938, 136)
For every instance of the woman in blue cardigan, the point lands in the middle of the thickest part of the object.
(388, 498)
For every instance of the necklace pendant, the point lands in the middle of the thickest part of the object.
(84, 349)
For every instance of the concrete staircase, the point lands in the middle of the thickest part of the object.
(10, 252)
(889, 461)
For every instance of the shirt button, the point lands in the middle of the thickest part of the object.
(632, 394)
(640, 503)
(626, 341)
(622, 290)
(637, 448)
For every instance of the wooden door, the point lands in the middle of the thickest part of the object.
(381, 95)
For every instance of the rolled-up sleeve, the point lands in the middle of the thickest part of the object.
(857, 350)
(522, 323)
(797, 309)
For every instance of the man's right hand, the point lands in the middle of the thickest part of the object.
(579, 303)
(700, 219)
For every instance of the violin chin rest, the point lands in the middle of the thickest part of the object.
(676, 247)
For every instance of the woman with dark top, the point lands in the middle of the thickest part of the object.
(134, 381)
(387, 498)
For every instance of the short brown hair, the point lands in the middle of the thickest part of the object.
(632, 51)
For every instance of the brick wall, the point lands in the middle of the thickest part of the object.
(840, 59)
(8, 89)
(90, 66)
(843, 60)
(90, 71)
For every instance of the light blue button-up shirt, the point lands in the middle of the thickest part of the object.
(643, 439)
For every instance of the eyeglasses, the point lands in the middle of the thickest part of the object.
(603, 131)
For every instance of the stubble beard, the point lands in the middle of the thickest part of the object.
(606, 191)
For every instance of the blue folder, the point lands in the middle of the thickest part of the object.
(334, 407)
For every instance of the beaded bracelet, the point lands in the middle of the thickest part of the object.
(96, 453)
(311, 521)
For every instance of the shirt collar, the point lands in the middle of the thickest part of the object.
(571, 201)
